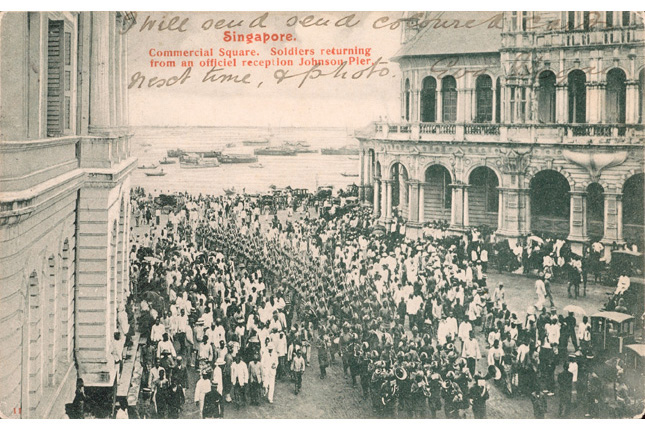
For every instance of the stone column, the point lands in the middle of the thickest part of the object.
(99, 73)
(514, 219)
(457, 211)
(383, 199)
(578, 219)
(413, 210)
(631, 102)
(388, 199)
(466, 207)
(613, 219)
(500, 210)
(377, 194)
(361, 188)
(421, 215)
(439, 98)
(561, 104)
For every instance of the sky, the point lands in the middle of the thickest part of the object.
(326, 101)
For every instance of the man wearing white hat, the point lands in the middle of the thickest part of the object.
(269, 365)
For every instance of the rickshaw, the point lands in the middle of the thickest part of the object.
(611, 331)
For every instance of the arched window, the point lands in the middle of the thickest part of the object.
(616, 93)
(449, 99)
(484, 98)
(407, 100)
(577, 97)
(546, 97)
(429, 100)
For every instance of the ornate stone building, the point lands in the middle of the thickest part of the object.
(521, 121)
(64, 204)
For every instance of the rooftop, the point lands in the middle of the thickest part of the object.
(455, 32)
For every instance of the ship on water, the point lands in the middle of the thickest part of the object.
(237, 158)
(343, 150)
(175, 153)
(300, 146)
(255, 142)
(275, 150)
(195, 161)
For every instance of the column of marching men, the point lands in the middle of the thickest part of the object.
(243, 302)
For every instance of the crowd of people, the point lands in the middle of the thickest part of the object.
(243, 299)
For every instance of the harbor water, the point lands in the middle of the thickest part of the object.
(307, 170)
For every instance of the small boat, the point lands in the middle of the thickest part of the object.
(150, 167)
(255, 142)
(256, 166)
(343, 150)
(146, 144)
(353, 158)
(230, 191)
(237, 158)
(161, 173)
(167, 161)
(230, 145)
(349, 175)
(175, 153)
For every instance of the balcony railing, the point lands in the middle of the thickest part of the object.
(431, 128)
(534, 133)
(598, 36)
(484, 129)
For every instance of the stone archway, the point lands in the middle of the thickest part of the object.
(483, 197)
(400, 197)
(633, 209)
(595, 211)
(550, 202)
(437, 196)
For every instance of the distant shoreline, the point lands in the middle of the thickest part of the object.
(258, 127)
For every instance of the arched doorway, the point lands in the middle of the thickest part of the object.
(577, 97)
(399, 176)
(633, 209)
(484, 99)
(429, 100)
(449, 99)
(407, 100)
(550, 202)
(437, 194)
(616, 96)
(483, 197)
(595, 211)
(546, 97)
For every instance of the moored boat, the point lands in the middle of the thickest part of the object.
(167, 161)
(255, 142)
(150, 167)
(237, 158)
(299, 146)
(160, 173)
(175, 153)
(349, 175)
(192, 162)
(256, 166)
(275, 150)
(343, 150)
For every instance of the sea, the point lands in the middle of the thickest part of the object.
(310, 171)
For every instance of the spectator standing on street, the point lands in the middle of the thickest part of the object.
(298, 369)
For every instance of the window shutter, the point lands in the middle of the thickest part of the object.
(55, 80)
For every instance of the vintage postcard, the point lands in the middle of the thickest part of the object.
(322, 214)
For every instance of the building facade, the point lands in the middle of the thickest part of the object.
(64, 204)
(526, 122)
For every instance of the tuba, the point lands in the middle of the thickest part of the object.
(400, 373)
